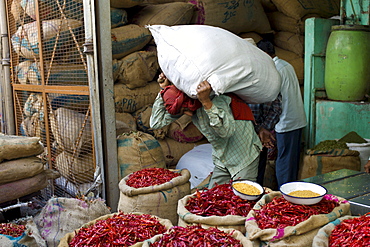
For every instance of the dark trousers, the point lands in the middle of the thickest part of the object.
(288, 158)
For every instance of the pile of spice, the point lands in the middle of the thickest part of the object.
(196, 236)
(247, 189)
(150, 176)
(12, 229)
(119, 230)
(329, 145)
(280, 213)
(351, 232)
(219, 201)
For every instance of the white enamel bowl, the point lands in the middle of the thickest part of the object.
(246, 196)
(287, 188)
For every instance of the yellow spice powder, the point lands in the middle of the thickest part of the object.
(247, 189)
(304, 193)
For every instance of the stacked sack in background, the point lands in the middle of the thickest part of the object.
(138, 62)
(21, 171)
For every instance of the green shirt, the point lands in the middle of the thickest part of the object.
(235, 144)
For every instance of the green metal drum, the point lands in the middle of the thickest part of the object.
(347, 76)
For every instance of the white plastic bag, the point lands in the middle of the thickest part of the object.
(190, 54)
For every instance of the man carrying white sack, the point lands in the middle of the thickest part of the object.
(225, 120)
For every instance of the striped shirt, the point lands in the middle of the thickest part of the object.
(235, 144)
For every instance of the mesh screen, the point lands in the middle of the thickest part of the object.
(51, 91)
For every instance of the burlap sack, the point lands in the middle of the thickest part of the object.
(282, 22)
(18, 169)
(312, 223)
(160, 200)
(244, 241)
(183, 130)
(290, 41)
(30, 238)
(303, 240)
(232, 16)
(142, 117)
(268, 6)
(76, 169)
(72, 130)
(126, 118)
(176, 13)
(33, 126)
(174, 150)
(298, 9)
(14, 147)
(321, 162)
(321, 239)
(128, 39)
(18, 13)
(56, 35)
(64, 242)
(118, 17)
(136, 69)
(295, 60)
(138, 150)
(63, 215)
(16, 189)
(236, 222)
(131, 100)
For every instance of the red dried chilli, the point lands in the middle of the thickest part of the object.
(280, 213)
(150, 176)
(351, 232)
(11, 229)
(119, 230)
(218, 201)
(196, 236)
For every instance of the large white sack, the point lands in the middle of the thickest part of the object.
(190, 54)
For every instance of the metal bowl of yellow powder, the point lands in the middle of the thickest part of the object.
(247, 190)
(304, 193)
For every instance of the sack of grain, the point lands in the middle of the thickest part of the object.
(63, 215)
(18, 169)
(295, 60)
(128, 39)
(138, 150)
(321, 162)
(14, 147)
(118, 17)
(125, 123)
(131, 100)
(136, 69)
(160, 200)
(228, 62)
(298, 9)
(56, 35)
(290, 41)
(18, 13)
(16, 189)
(79, 169)
(176, 13)
(232, 16)
(72, 130)
(174, 150)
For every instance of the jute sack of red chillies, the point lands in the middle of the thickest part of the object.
(275, 219)
(161, 199)
(23, 234)
(197, 236)
(218, 206)
(117, 229)
(345, 231)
